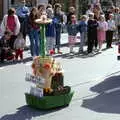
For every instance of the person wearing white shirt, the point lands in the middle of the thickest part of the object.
(111, 29)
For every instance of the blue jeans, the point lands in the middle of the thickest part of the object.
(34, 42)
(58, 37)
(83, 40)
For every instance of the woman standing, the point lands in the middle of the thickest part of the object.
(33, 32)
(11, 23)
(58, 15)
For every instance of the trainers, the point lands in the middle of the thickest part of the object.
(100, 50)
(80, 51)
(91, 54)
(52, 52)
(59, 52)
(96, 50)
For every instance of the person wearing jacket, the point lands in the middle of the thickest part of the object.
(23, 13)
(4, 46)
(92, 33)
(33, 32)
(72, 29)
(50, 32)
(11, 23)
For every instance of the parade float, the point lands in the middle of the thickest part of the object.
(48, 79)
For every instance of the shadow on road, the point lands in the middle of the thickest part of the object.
(27, 113)
(83, 55)
(108, 100)
(7, 63)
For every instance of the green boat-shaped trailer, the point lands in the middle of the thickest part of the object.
(48, 102)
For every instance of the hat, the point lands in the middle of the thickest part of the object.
(91, 14)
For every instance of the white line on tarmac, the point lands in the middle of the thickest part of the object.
(1, 68)
(28, 64)
(112, 90)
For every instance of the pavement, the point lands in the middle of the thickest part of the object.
(95, 80)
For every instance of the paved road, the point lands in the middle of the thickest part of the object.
(95, 81)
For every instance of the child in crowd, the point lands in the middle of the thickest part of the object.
(11, 23)
(18, 46)
(50, 33)
(101, 31)
(82, 27)
(72, 29)
(111, 29)
(5, 51)
(92, 33)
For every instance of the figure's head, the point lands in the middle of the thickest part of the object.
(50, 13)
(34, 11)
(49, 6)
(71, 9)
(7, 35)
(91, 15)
(84, 18)
(20, 36)
(112, 9)
(111, 16)
(23, 3)
(117, 10)
(57, 7)
(11, 11)
(102, 18)
(41, 8)
(73, 18)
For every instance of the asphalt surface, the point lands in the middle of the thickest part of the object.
(95, 80)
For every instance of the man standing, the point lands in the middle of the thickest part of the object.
(23, 13)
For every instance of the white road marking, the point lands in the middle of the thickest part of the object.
(1, 68)
(28, 64)
(112, 90)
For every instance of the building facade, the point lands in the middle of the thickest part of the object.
(80, 5)
(6, 4)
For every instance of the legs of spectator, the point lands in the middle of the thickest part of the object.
(58, 37)
(11, 42)
(109, 37)
(90, 46)
(100, 44)
(71, 48)
(90, 43)
(36, 38)
(82, 42)
(118, 32)
(2, 55)
(31, 36)
(21, 54)
(94, 35)
(16, 54)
